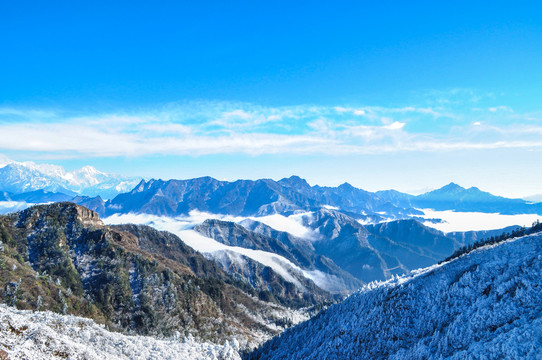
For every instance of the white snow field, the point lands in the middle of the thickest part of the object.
(44, 335)
(483, 305)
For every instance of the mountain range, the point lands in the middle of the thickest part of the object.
(240, 260)
(241, 197)
(349, 244)
(248, 198)
(265, 196)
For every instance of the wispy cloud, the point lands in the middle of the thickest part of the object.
(207, 127)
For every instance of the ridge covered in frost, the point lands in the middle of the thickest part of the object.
(46, 335)
(485, 304)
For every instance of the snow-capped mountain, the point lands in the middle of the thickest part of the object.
(17, 178)
(21, 177)
(485, 304)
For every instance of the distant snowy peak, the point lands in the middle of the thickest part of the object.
(17, 178)
(55, 171)
(4, 160)
(87, 176)
(20, 177)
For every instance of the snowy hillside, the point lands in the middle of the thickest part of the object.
(46, 335)
(486, 304)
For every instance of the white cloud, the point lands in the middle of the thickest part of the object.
(291, 224)
(467, 221)
(182, 227)
(500, 108)
(396, 125)
(204, 128)
(357, 112)
(13, 206)
(168, 128)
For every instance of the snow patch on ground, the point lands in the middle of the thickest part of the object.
(467, 221)
(46, 335)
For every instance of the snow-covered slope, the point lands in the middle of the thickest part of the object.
(484, 305)
(45, 335)
(19, 177)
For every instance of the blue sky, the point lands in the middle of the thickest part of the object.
(406, 95)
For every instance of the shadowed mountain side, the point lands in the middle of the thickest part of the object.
(249, 198)
(303, 250)
(470, 237)
(250, 275)
(415, 235)
(295, 290)
(299, 251)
